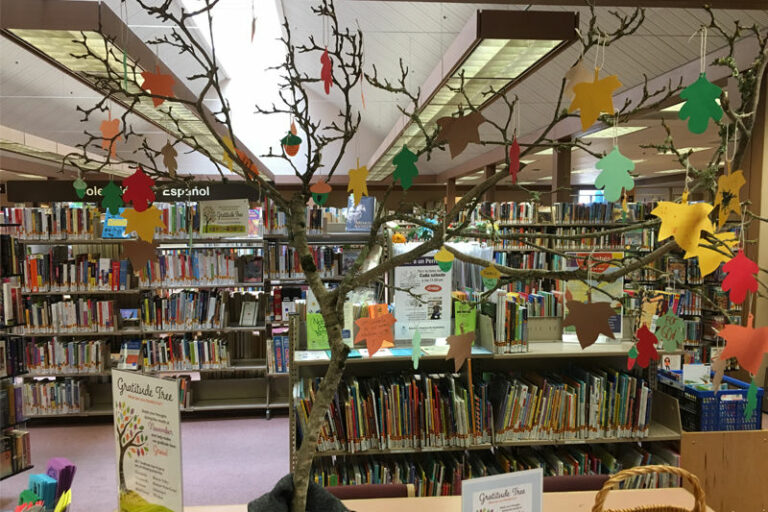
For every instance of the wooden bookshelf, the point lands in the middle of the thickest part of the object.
(17, 472)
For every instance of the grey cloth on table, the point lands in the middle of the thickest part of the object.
(279, 499)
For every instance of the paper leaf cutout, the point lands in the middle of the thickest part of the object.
(751, 404)
(110, 129)
(225, 155)
(590, 320)
(718, 366)
(291, 142)
(416, 349)
(684, 222)
(326, 72)
(357, 183)
(375, 331)
(700, 104)
(405, 167)
(670, 329)
(460, 348)
(514, 160)
(320, 192)
(143, 222)
(593, 98)
(741, 278)
(646, 347)
(138, 190)
(746, 344)
(444, 259)
(158, 84)
(111, 198)
(80, 185)
(710, 259)
(615, 176)
(631, 357)
(169, 158)
(459, 131)
(490, 276)
(576, 75)
(139, 253)
(727, 198)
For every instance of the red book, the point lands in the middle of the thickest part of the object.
(277, 304)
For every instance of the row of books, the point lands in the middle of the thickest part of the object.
(683, 270)
(442, 473)
(330, 261)
(11, 254)
(73, 221)
(10, 301)
(183, 353)
(60, 396)
(397, 412)
(179, 218)
(317, 218)
(599, 213)
(55, 357)
(505, 211)
(522, 260)
(11, 404)
(187, 309)
(15, 452)
(510, 318)
(278, 357)
(520, 243)
(578, 404)
(248, 309)
(45, 314)
(13, 360)
(56, 271)
(635, 239)
(185, 267)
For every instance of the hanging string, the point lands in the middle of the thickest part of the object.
(362, 72)
(123, 18)
(616, 129)
(600, 42)
(518, 106)
(687, 178)
(741, 229)
(703, 49)
(602, 59)
(729, 159)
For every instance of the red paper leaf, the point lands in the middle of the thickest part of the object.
(746, 344)
(741, 277)
(158, 84)
(138, 190)
(646, 347)
(375, 331)
(514, 160)
(326, 72)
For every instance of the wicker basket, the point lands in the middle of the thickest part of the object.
(698, 492)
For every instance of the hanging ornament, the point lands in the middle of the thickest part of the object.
(710, 259)
(143, 222)
(458, 132)
(138, 190)
(326, 72)
(320, 192)
(741, 277)
(398, 238)
(158, 84)
(728, 192)
(291, 142)
(578, 74)
(460, 348)
(615, 175)
(110, 130)
(416, 349)
(405, 167)
(590, 319)
(670, 330)
(490, 276)
(751, 405)
(80, 185)
(646, 347)
(357, 182)
(169, 158)
(375, 330)
(111, 198)
(684, 222)
(593, 98)
(139, 252)
(700, 104)
(746, 344)
(514, 160)
(444, 259)
(631, 357)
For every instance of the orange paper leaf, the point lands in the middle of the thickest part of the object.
(746, 344)
(159, 84)
(110, 130)
(375, 330)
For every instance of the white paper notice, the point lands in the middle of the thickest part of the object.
(148, 442)
(520, 491)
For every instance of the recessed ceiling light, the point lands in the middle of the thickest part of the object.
(692, 148)
(671, 171)
(527, 162)
(677, 106)
(545, 178)
(583, 171)
(610, 132)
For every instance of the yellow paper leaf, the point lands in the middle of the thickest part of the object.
(144, 222)
(728, 185)
(594, 98)
(357, 183)
(710, 259)
(684, 222)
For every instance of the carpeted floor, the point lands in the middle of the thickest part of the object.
(224, 461)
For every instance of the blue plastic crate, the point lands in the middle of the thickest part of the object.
(706, 410)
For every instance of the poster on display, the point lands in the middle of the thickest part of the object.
(430, 314)
(224, 218)
(360, 217)
(521, 491)
(147, 442)
(579, 289)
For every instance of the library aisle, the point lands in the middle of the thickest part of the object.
(232, 458)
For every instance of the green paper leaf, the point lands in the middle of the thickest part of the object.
(319, 198)
(290, 140)
(317, 336)
(632, 352)
(749, 409)
(466, 317)
(405, 167)
(489, 282)
(79, 185)
(615, 176)
(670, 329)
(416, 349)
(445, 266)
(700, 104)
(112, 198)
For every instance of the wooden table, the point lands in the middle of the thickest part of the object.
(553, 502)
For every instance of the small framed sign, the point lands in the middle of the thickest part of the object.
(520, 491)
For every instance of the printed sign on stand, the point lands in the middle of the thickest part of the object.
(428, 307)
(224, 218)
(147, 442)
(520, 491)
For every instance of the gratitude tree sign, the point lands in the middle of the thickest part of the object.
(147, 442)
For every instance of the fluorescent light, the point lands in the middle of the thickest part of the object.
(671, 171)
(527, 162)
(677, 106)
(545, 178)
(692, 148)
(610, 132)
(494, 49)
(583, 171)
(547, 151)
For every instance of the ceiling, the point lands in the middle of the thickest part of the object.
(38, 99)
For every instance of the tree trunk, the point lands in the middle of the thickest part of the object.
(120, 469)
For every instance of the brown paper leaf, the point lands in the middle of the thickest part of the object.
(460, 348)
(459, 131)
(718, 366)
(169, 158)
(139, 253)
(590, 320)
